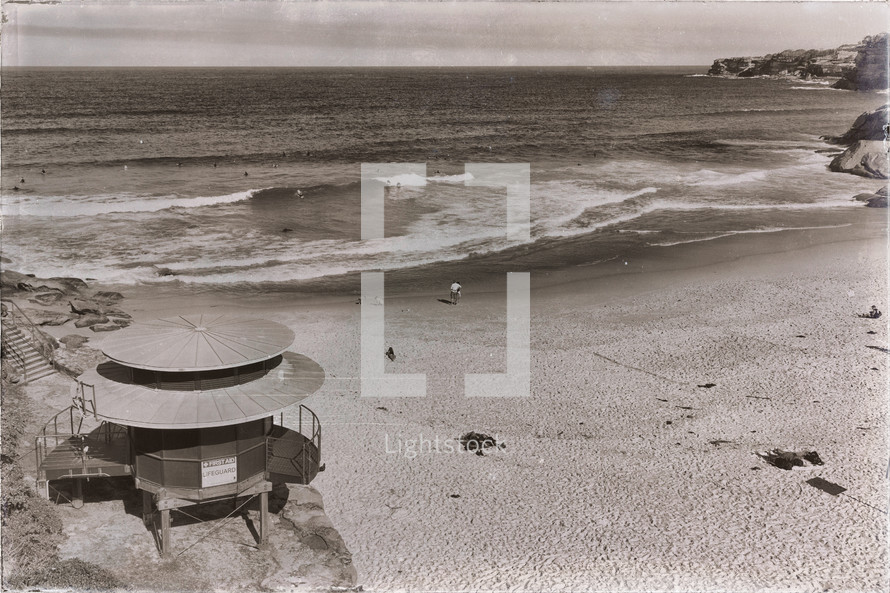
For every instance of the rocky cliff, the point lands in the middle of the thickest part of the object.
(869, 71)
(860, 66)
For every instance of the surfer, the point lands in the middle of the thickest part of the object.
(245, 173)
(300, 194)
(43, 171)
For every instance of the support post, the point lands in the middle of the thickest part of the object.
(264, 518)
(77, 495)
(165, 533)
(146, 508)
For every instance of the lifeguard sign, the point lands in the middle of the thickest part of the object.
(219, 471)
(375, 382)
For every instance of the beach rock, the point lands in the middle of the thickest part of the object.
(74, 341)
(47, 317)
(47, 298)
(12, 282)
(866, 158)
(107, 299)
(105, 327)
(869, 69)
(70, 286)
(90, 319)
(111, 312)
(76, 362)
(870, 125)
(308, 551)
(877, 202)
(86, 308)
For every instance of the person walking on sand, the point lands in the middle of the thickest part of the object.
(455, 292)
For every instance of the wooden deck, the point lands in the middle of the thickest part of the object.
(101, 458)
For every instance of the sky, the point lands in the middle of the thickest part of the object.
(294, 33)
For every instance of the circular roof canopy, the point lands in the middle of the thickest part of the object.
(119, 400)
(198, 343)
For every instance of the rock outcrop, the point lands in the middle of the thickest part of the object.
(869, 70)
(875, 200)
(64, 299)
(857, 66)
(308, 551)
(866, 158)
(871, 125)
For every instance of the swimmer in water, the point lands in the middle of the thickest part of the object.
(43, 171)
(245, 173)
(300, 194)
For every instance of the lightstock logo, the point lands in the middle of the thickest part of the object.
(375, 382)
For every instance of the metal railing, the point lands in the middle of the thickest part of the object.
(290, 456)
(51, 436)
(87, 405)
(37, 338)
(13, 351)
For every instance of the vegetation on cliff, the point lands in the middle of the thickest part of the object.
(32, 528)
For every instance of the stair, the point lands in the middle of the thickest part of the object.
(29, 361)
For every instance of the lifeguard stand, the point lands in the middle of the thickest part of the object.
(187, 408)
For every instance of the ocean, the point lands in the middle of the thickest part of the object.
(191, 179)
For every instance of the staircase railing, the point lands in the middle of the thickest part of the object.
(13, 351)
(37, 338)
(50, 432)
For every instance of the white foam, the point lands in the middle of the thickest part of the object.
(715, 178)
(65, 206)
(414, 180)
(719, 235)
(461, 178)
(405, 179)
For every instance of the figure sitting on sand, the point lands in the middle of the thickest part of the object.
(873, 314)
(455, 292)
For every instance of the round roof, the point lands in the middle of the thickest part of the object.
(198, 343)
(119, 400)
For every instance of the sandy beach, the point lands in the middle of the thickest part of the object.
(621, 471)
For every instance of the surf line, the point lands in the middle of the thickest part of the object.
(633, 368)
